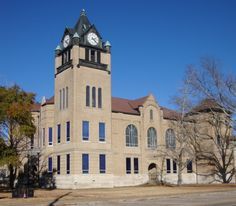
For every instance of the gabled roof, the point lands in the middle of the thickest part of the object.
(127, 106)
(207, 105)
(49, 101)
(35, 107)
(170, 114)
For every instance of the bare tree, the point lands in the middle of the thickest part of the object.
(209, 82)
(179, 138)
(213, 117)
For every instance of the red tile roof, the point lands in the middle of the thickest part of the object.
(35, 107)
(127, 106)
(207, 105)
(49, 101)
(170, 114)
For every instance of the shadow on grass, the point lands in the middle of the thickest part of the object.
(57, 199)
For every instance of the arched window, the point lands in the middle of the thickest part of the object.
(99, 98)
(152, 138)
(131, 136)
(151, 114)
(93, 97)
(67, 96)
(63, 98)
(87, 96)
(170, 139)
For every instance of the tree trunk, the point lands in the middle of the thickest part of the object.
(12, 176)
(180, 166)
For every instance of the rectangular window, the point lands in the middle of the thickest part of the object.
(58, 133)
(98, 57)
(136, 167)
(101, 131)
(128, 165)
(174, 166)
(92, 55)
(50, 136)
(43, 136)
(85, 163)
(102, 163)
(85, 130)
(87, 54)
(66, 56)
(67, 131)
(189, 166)
(99, 98)
(50, 164)
(58, 164)
(168, 168)
(68, 164)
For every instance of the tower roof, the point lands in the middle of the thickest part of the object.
(83, 24)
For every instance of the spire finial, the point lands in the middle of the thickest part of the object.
(83, 12)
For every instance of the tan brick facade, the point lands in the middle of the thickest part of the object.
(117, 114)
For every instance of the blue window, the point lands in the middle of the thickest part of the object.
(58, 133)
(85, 130)
(50, 164)
(50, 136)
(168, 168)
(68, 164)
(85, 163)
(101, 131)
(102, 163)
(189, 166)
(128, 165)
(136, 167)
(67, 131)
(58, 164)
(174, 166)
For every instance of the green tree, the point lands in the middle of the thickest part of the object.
(16, 128)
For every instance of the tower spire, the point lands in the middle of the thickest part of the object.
(83, 12)
(82, 24)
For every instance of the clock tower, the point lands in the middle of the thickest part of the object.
(82, 101)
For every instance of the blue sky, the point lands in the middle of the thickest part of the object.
(152, 41)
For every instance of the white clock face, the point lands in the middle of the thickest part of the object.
(93, 39)
(66, 41)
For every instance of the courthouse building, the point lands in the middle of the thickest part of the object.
(89, 138)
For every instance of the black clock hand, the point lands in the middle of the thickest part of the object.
(94, 39)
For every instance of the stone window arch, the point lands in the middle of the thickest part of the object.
(152, 137)
(170, 139)
(131, 134)
(151, 114)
